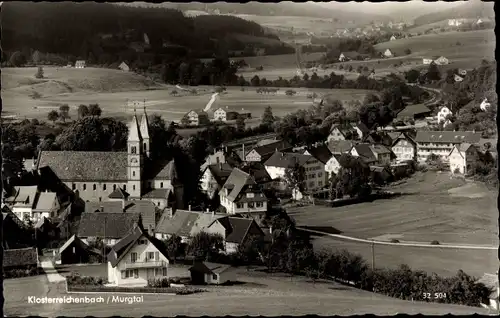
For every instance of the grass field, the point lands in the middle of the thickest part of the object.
(74, 89)
(289, 23)
(276, 61)
(428, 212)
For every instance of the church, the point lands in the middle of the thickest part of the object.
(104, 176)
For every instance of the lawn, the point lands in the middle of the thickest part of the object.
(276, 61)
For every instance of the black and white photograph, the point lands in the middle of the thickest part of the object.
(248, 159)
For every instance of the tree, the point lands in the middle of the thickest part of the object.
(64, 112)
(255, 81)
(174, 93)
(173, 246)
(35, 57)
(407, 51)
(83, 111)
(349, 68)
(95, 110)
(185, 120)
(17, 59)
(267, 117)
(203, 244)
(353, 177)
(305, 78)
(53, 116)
(295, 177)
(412, 76)
(39, 73)
(433, 73)
(250, 250)
(240, 123)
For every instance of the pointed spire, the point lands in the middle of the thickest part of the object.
(134, 131)
(144, 128)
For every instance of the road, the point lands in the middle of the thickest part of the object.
(264, 295)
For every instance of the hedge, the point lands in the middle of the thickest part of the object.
(18, 273)
(153, 290)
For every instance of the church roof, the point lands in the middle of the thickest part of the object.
(134, 131)
(144, 128)
(165, 171)
(85, 165)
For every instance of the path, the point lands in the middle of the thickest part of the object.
(403, 243)
(52, 275)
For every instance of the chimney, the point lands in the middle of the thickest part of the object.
(189, 207)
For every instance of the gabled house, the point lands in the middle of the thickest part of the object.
(242, 195)
(211, 273)
(339, 146)
(392, 38)
(263, 152)
(442, 61)
(214, 177)
(76, 251)
(388, 53)
(361, 129)
(108, 226)
(27, 203)
(220, 114)
(80, 64)
(182, 223)
(380, 175)
(136, 259)
(404, 147)
(197, 118)
(462, 158)
(235, 231)
(342, 132)
(441, 143)
(383, 154)
(46, 206)
(364, 152)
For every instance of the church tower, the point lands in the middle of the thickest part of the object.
(144, 131)
(135, 156)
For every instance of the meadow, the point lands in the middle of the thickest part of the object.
(275, 61)
(433, 207)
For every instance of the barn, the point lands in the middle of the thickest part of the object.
(211, 273)
(75, 251)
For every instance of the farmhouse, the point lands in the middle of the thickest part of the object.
(137, 258)
(220, 114)
(80, 64)
(27, 202)
(76, 251)
(404, 147)
(242, 195)
(372, 154)
(388, 53)
(441, 143)
(214, 177)
(197, 118)
(235, 231)
(93, 175)
(416, 111)
(263, 152)
(211, 273)
(462, 157)
(124, 67)
(443, 114)
(182, 223)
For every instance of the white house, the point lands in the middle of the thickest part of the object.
(135, 259)
(404, 147)
(442, 61)
(196, 118)
(462, 157)
(441, 143)
(388, 53)
(462, 72)
(124, 67)
(27, 202)
(333, 165)
(220, 114)
(213, 178)
(211, 273)
(443, 114)
(484, 105)
(80, 64)
(479, 21)
(46, 206)
(458, 78)
(393, 38)
(455, 22)
(427, 61)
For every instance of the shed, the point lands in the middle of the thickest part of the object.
(75, 251)
(211, 273)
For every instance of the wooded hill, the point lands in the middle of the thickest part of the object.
(468, 10)
(98, 28)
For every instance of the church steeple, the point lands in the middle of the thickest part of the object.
(144, 131)
(134, 133)
(135, 158)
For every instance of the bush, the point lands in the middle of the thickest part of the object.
(394, 241)
(159, 282)
(76, 279)
(153, 290)
(434, 242)
(21, 272)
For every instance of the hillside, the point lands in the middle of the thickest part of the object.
(470, 9)
(79, 29)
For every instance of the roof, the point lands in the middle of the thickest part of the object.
(20, 257)
(236, 181)
(364, 129)
(184, 223)
(157, 194)
(110, 225)
(106, 206)
(236, 228)
(321, 153)
(134, 133)
(463, 147)
(85, 165)
(146, 209)
(209, 268)
(365, 152)
(448, 136)
(287, 159)
(45, 201)
(118, 193)
(257, 171)
(272, 147)
(123, 246)
(165, 170)
(198, 112)
(264, 142)
(380, 149)
(220, 172)
(24, 195)
(144, 126)
(75, 239)
(412, 110)
(340, 146)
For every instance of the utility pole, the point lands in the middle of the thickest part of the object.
(373, 255)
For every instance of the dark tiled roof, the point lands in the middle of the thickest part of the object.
(380, 149)
(412, 110)
(361, 127)
(209, 268)
(112, 225)
(157, 194)
(365, 152)
(287, 159)
(321, 153)
(146, 209)
(257, 171)
(107, 207)
(183, 223)
(448, 136)
(161, 170)
(237, 180)
(85, 165)
(239, 229)
(119, 193)
(271, 147)
(220, 172)
(340, 146)
(20, 257)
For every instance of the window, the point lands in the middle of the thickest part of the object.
(133, 257)
(158, 203)
(217, 160)
(251, 205)
(136, 273)
(161, 184)
(133, 187)
(157, 256)
(239, 205)
(260, 204)
(320, 174)
(250, 195)
(114, 187)
(73, 186)
(320, 183)
(100, 199)
(164, 270)
(214, 276)
(145, 148)
(133, 173)
(104, 187)
(94, 187)
(150, 256)
(133, 150)
(84, 187)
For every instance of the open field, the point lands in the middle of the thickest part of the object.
(433, 208)
(276, 61)
(18, 100)
(261, 294)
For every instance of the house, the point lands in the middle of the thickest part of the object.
(427, 61)
(484, 105)
(221, 156)
(378, 137)
(232, 115)
(211, 273)
(220, 114)
(343, 132)
(441, 61)
(183, 223)
(27, 203)
(455, 22)
(331, 161)
(441, 143)
(94, 175)
(197, 118)
(46, 230)
(349, 56)
(380, 175)
(136, 259)
(257, 171)
(263, 152)
(80, 64)
(315, 177)
(124, 67)
(214, 177)
(416, 111)
(364, 151)
(108, 226)
(20, 258)
(47, 206)
(388, 53)
(392, 38)
(443, 114)
(242, 195)
(361, 129)
(339, 146)
(383, 154)
(462, 72)
(236, 231)
(76, 251)
(462, 158)
(404, 147)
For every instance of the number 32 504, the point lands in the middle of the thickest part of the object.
(434, 295)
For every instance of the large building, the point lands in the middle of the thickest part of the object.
(94, 176)
(441, 143)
